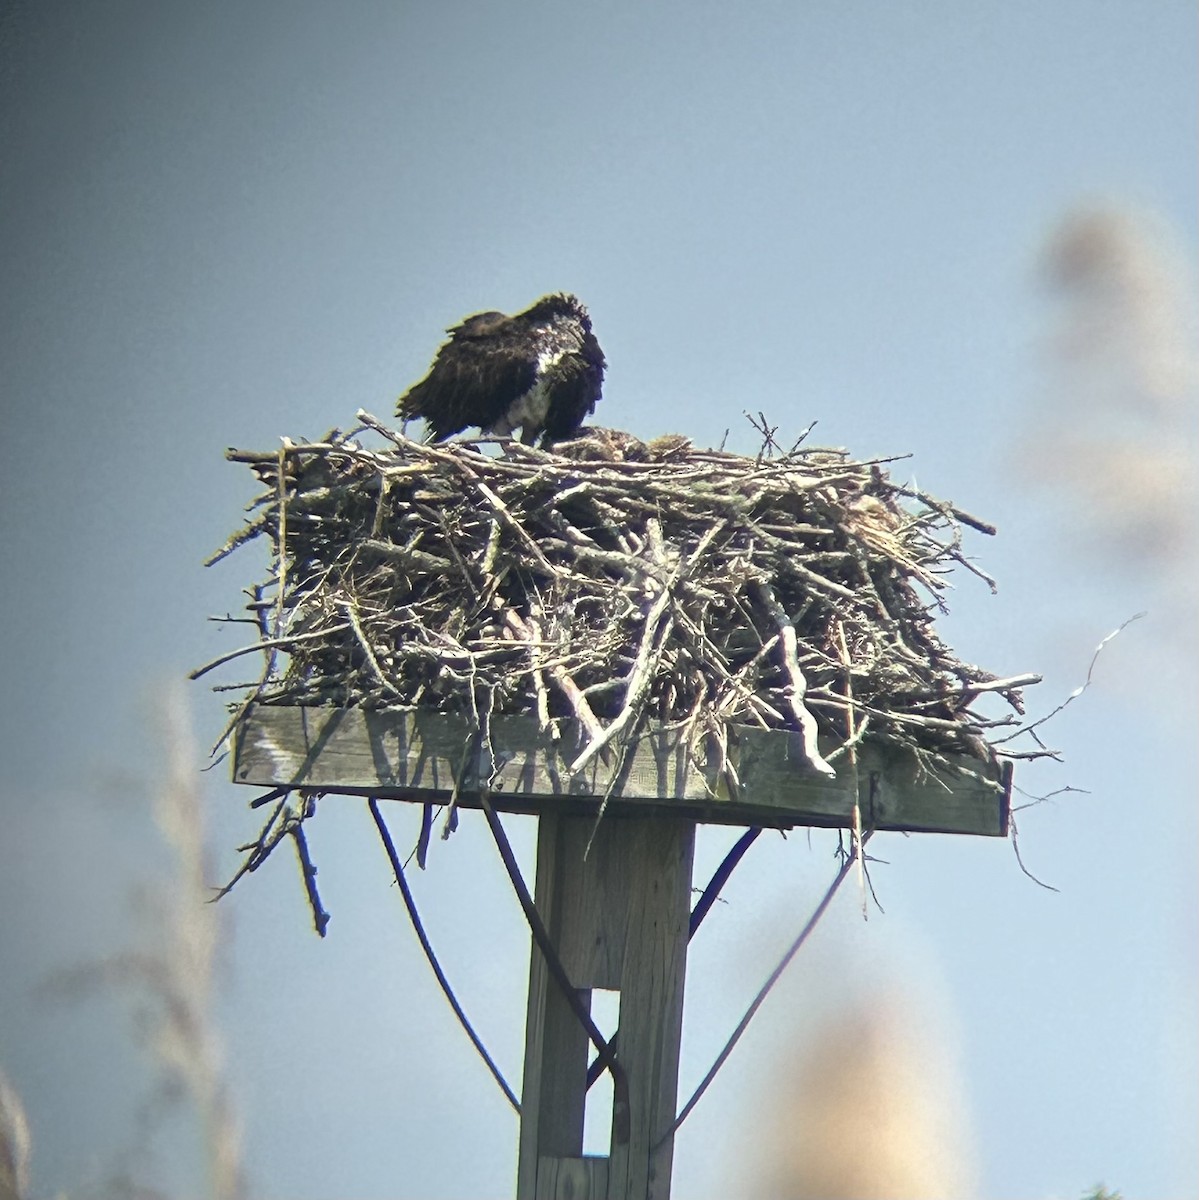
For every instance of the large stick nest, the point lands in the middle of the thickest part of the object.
(609, 582)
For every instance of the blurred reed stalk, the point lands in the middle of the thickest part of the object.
(185, 1040)
(169, 974)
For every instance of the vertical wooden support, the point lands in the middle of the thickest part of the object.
(619, 920)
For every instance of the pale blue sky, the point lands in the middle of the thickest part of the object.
(223, 223)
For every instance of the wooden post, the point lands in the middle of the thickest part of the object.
(619, 919)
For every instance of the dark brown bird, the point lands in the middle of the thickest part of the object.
(540, 371)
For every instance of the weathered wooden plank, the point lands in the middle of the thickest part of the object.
(415, 755)
(653, 967)
(619, 919)
(582, 1178)
(553, 1100)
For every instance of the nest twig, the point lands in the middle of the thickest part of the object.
(610, 582)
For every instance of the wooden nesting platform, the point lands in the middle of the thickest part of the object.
(406, 755)
(763, 611)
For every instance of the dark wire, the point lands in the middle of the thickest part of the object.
(846, 867)
(719, 878)
(621, 1117)
(398, 868)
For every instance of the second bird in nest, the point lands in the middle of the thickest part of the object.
(540, 371)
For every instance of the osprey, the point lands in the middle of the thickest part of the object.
(540, 371)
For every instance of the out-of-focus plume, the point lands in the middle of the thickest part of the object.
(14, 1144)
(871, 1110)
(169, 976)
(185, 1039)
(1116, 430)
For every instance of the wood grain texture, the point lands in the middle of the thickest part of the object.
(582, 1178)
(619, 919)
(414, 756)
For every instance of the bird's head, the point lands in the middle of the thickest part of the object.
(479, 326)
(558, 304)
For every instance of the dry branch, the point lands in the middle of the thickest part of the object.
(610, 582)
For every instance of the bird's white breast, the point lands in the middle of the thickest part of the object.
(529, 411)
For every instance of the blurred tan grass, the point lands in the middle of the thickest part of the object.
(169, 976)
(1116, 432)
